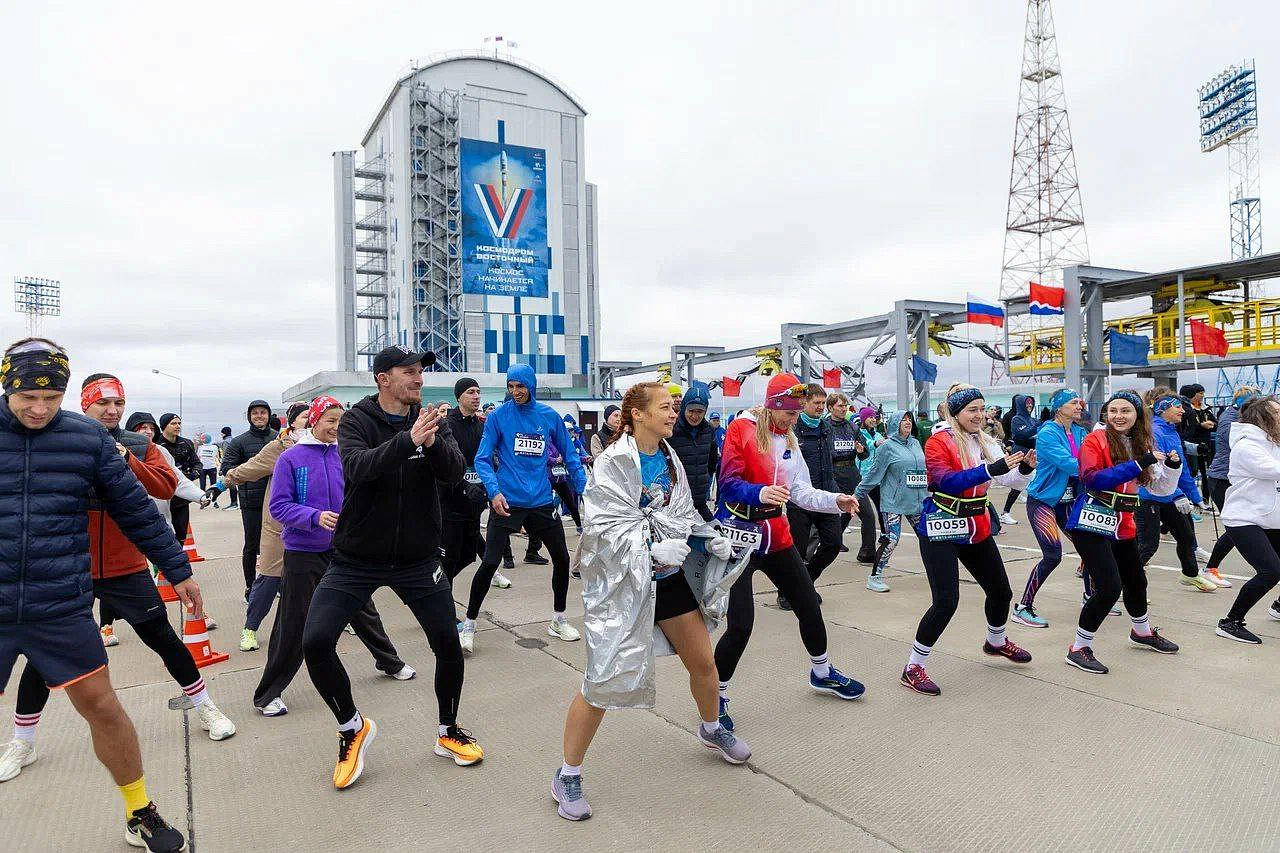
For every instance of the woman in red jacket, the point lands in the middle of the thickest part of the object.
(1114, 461)
(961, 461)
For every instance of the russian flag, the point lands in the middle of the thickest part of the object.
(984, 311)
(1046, 300)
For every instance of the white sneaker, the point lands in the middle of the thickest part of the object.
(1006, 518)
(501, 581)
(109, 637)
(406, 673)
(1202, 556)
(209, 622)
(563, 630)
(467, 637)
(275, 708)
(214, 721)
(1217, 578)
(17, 755)
(1274, 610)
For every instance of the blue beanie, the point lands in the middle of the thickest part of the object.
(1129, 397)
(1060, 398)
(957, 401)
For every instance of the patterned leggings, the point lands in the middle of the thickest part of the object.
(889, 539)
(1046, 523)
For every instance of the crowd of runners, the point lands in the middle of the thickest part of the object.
(676, 514)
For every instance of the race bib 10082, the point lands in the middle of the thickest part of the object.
(947, 528)
(530, 444)
(917, 480)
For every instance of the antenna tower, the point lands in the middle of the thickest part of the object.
(1044, 226)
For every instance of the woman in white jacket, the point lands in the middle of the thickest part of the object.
(1251, 511)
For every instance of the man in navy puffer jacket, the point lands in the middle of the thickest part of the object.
(51, 463)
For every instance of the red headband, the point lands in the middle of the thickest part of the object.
(319, 406)
(100, 389)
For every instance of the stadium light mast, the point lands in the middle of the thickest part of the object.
(35, 298)
(1229, 117)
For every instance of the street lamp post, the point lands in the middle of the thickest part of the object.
(179, 378)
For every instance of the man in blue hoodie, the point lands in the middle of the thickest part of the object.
(1174, 510)
(515, 437)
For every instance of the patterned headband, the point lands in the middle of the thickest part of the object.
(957, 401)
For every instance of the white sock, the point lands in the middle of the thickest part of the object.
(821, 666)
(197, 693)
(918, 654)
(24, 727)
(354, 724)
(469, 624)
(724, 690)
(443, 729)
(570, 769)
(1141, 626)
(995, 636)
(1083, 639)
(711, 727)
(558, 617)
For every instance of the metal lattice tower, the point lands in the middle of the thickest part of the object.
(437, 224)
(1246, 206)
(1044, 225)
(371, 257)
(35, 298)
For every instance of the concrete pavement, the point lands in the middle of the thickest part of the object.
(1165, 753)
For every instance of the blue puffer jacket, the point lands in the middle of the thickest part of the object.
(47, 477)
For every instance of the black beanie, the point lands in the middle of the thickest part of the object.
(463, 385)
(293, 411)
(166, 418)
(608, 410)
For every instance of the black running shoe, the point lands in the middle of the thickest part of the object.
(1234, 629)
(147, 829)
(1084, 659)
(783, 604)
(535, 559)
(508, 562)
(1155, 642)
(866, 556)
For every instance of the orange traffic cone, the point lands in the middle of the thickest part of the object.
(167, 595)
(190, 547)
(196, 638)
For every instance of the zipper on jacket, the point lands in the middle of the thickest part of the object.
(26, 512)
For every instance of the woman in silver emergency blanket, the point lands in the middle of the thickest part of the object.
(655, 578)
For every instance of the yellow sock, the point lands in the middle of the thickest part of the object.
(135, 796)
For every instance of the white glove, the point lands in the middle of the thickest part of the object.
(720, 547)
(670, 552)
(1183, 506)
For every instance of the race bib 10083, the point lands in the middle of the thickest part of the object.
(1098, 519)
(530, 444)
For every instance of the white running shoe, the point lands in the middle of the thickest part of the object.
(1202, 556)
(501, 581)
(274, 708)
(561, 629)
(214, 721)
(405, 673)
(1274, 610)
(17, 755)
(1218, 579)
(467, 637)
(209, 622)
(109, 637)
(1006, 518)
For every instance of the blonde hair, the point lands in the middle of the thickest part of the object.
(1150, 396)
(991, 450)
(764, 434)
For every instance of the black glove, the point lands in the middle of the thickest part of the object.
(1147, 459)
(1000, 466)
(1173, 463)
(211, 493)
(1024, 469)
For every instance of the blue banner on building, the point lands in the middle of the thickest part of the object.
(504, 219)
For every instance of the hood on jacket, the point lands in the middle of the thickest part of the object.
(892, 423)
(304, 436)
(699, 394)
(1023, 404)
(138, 418)
(1246, 432)
(524, 374)
(258, 404)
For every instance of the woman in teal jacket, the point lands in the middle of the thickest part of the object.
(897, 470)
(1051, 493)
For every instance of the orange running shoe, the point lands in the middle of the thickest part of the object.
(459, 745)
(351, 747)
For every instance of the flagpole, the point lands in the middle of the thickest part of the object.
(968, 350)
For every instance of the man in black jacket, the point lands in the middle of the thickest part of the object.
(462, 504)
(694, 441)
(816, 445)
(184, 456)
(395, 457)
(241, 449)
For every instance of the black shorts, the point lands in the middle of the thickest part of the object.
(675, 598)
(63, 650)
(133, 598)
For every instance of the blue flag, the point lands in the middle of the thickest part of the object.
(923, 371)
(1129, 349)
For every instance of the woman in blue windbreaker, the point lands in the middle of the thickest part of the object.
(1051, 493)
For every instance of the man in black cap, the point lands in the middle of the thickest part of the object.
(241, 449)
(396, 456)
(464, 503)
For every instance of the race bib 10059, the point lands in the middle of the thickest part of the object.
(947, 528)
(530, 444)
(1098, 519)
(917, 480)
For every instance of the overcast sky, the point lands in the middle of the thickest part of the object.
(170, 163)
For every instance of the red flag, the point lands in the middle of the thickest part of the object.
(831, 377)
(1208, 340)
(730, 387)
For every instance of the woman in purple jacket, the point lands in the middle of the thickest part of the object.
(305, 497)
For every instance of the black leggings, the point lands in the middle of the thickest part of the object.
(180, 512)
(208, 476)
(786, 570)
(1261, 548)
(1224, 545)
(537, 522)
(251, 521)
(1114, 568)
(1149, 517)
(942, 565)
(569, 500)
(156, 634)
(1011, 500)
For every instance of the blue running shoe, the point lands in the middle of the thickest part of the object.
(837, 684)
(725, 719)
(1025, 614)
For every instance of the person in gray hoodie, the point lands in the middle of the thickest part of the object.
(898, 470)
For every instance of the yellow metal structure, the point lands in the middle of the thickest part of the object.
(1250, 327)
(770, 361)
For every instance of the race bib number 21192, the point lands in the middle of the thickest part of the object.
(529, 444)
